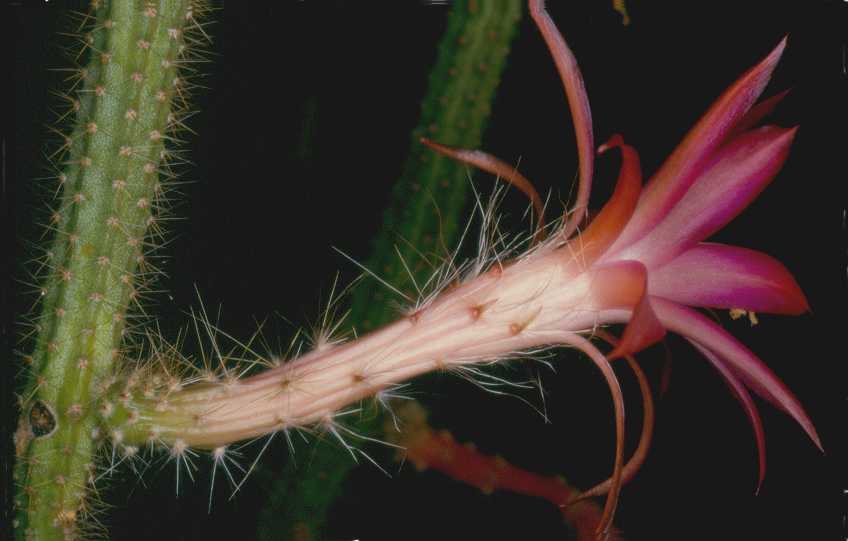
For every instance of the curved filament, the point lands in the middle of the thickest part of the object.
(618, 401)
(641, 453)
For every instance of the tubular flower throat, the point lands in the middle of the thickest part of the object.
(641, 262)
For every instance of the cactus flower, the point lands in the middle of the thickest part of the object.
(642, 261)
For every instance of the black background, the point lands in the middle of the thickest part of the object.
(261, 217)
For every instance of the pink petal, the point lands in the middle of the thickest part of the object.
(578, 103)
(720, 276)
(757, 113)
(744, 398)
(741, 361)
(610, 221)
(624, 285)
(741, 170)
(688, 160)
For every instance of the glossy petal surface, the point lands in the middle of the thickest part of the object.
(720, 276)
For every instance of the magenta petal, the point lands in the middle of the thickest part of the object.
(741, 394)
(758, 113)
(739, 172)
(720, 276)
(578, 103)
(740, 360)
(688, 160)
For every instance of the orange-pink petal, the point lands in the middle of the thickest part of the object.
(625, 285)
(612, 218)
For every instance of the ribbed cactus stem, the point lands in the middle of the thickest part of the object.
(128, 102)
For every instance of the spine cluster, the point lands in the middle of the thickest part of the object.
(126, 107)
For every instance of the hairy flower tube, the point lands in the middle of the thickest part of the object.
(641, 262)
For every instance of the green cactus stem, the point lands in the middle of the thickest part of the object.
(126, 106)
